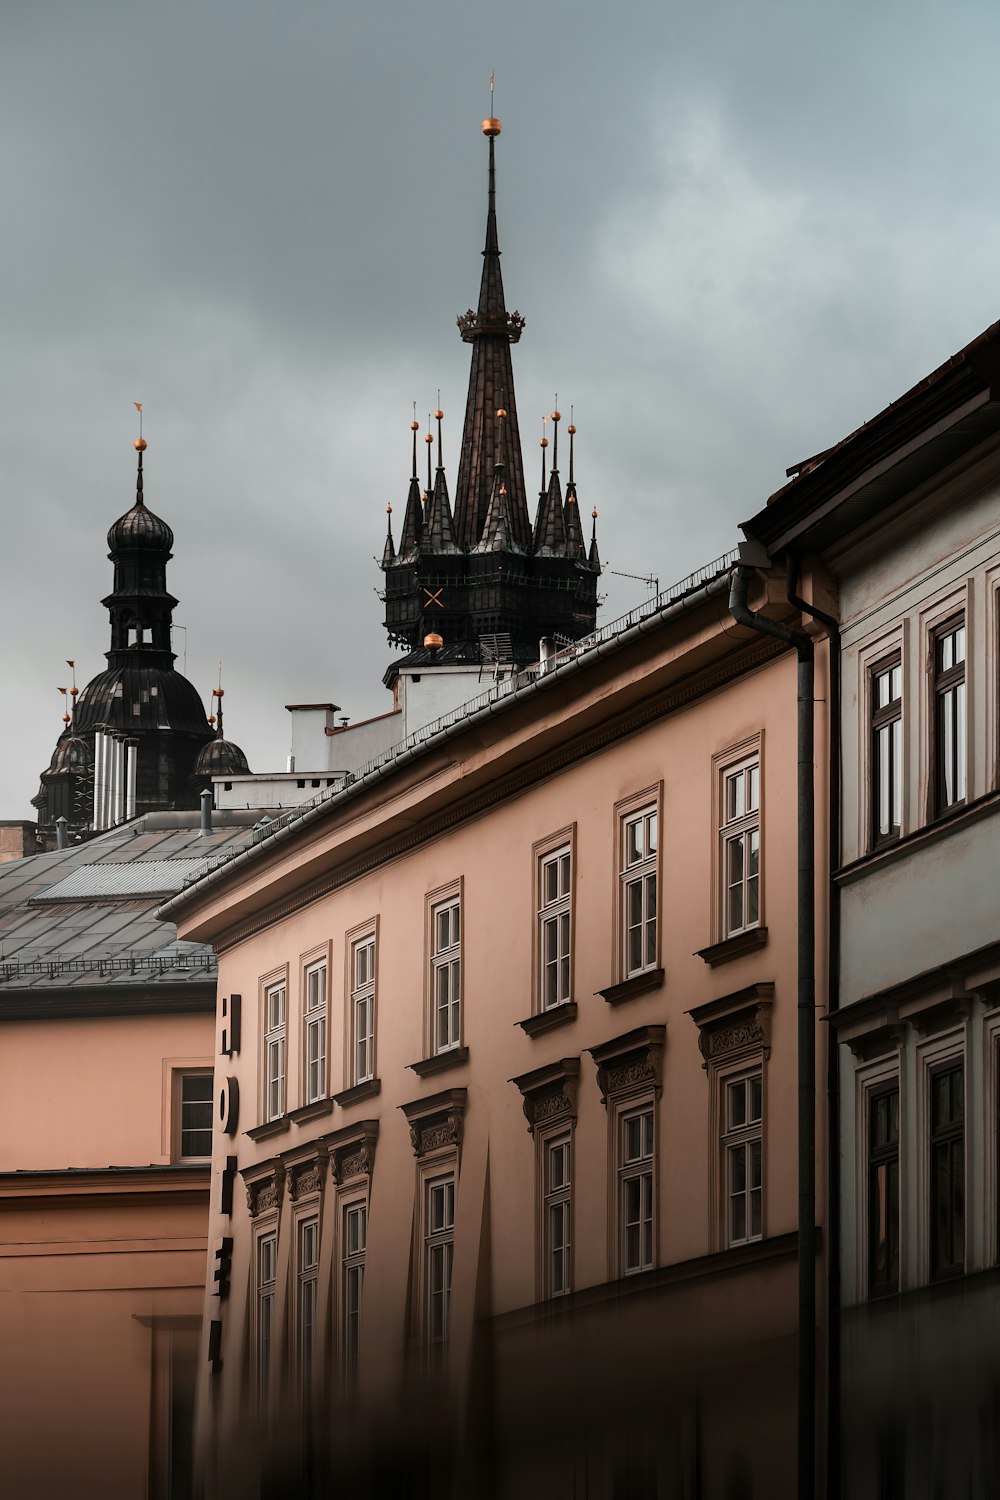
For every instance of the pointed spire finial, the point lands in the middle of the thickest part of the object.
(571, 429)
(556, 419)
(65, 693)
(414, 428)
(438, 415)
(217, 694)
(140, 448)
(543, 444)
(428, 439)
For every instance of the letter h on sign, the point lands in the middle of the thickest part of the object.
(230, 1036)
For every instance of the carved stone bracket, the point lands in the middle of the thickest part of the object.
(265, 1185)
(630, 1062)
(436, 1121)
(549, 1093)
(736, 1024)
(352, 1150)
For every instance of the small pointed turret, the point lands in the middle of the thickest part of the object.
(576, 547)
(413, 519)
(439, 533)
(595, 557)
(388, 551)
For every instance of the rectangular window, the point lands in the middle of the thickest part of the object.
(740, 847)
(308, 1270)
(267, 1270)
(883, 1190)
(947, 1170)
(558, 1215)
(314, 1030)
(355, 1230)
(743, 1157)
(635, 1190)
(363, 1010)
(194, 1119)
(446, 974)
(439, 1248)
(949, 714)
(554, 927)
(886, 709)
(638, 895)
(274, 1051)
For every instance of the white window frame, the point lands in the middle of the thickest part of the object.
(306, 1296)
(740, 780)
(180, 1076)
(361, 1008)
(739, 1138)
(446, 973)
(265, 1309)
(353, 1250)
(636, 1167)
(275, 1049)
(639, 871)
(439, 1192)
(555, 925)
(315, 1029)
(557, 1212)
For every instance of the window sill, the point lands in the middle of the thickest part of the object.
(311, 1111)
(269, 1128)
(938, 827)
(452, 1057)
(366, 1090)
(733, 947)
(548, 1020)
(636, 984)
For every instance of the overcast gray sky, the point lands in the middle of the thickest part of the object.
(736, 230)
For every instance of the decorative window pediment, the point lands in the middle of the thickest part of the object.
(352, 1151)
(631, 1063)
(436, 1121)
(737, 1025)
(265, 1185)
(304, 1170)
(549, 1093)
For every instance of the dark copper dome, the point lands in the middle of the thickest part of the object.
(139, 527)
(221, 758)
(71, 754)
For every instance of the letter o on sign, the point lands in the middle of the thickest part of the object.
(229, 1105)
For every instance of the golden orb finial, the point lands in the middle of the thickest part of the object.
(594, 513)
(428, 437)
(388, 509)
(438, 414)
(433, 641)
(140, 445)
(557, 416)
(543, 442)
(414, 426)
(501, 411)
(571, 428)
(491, 127)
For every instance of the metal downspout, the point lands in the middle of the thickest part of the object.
(806, 923)
(833, 1470)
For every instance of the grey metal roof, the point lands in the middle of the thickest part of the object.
(118, 880)
(85, 917)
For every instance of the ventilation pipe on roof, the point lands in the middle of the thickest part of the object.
(117, 804)
(100, 781)
(546, 654)
(206, 812)
(62, 833)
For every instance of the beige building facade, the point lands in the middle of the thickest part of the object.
(504, 1174)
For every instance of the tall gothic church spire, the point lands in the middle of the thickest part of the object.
(491, 330)
(486, 585)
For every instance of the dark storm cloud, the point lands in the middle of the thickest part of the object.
(736, 232)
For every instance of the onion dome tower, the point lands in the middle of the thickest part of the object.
(478, 582)
(140, 697)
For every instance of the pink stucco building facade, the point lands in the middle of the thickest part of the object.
(504, 1174)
